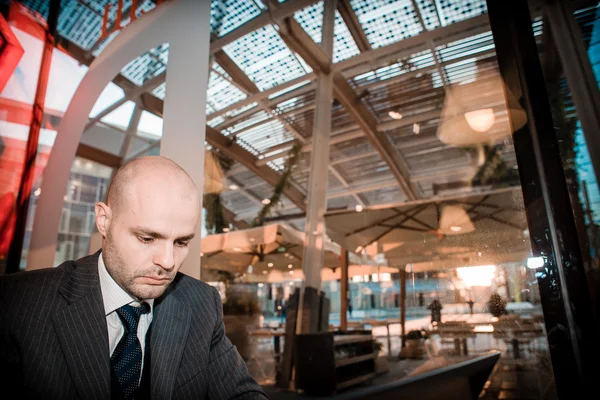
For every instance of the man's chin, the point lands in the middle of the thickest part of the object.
(148, 292)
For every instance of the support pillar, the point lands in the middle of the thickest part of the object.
(185, 26)
(132, 129)
(319, 162)
(402, 307)
(13, 260)
(184, 116)
(344, 291)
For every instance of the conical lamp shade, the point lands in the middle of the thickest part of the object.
(214, 180)
(475, 114)
(455, 221)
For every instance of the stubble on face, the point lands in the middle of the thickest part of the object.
(127, 278)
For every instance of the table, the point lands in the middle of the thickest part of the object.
(386, 323)
(275, 333)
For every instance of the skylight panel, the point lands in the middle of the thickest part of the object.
(311, 20)
(266, 136)
(473, 45)
(222, 93)
(462, 72)
(216, 121)
(289, 89)
(265, 58)
(386, 21)
(343, 43)
(160, 91)
(255, 118)
(227, 15)
(452, 11)
(429, 13)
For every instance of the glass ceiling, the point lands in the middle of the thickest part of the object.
(265, 58)
(268, 62)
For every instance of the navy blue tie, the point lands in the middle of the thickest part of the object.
(126, 360)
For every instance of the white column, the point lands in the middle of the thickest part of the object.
(184, 114)
(184, 25)
(319, 163)
(132, 129)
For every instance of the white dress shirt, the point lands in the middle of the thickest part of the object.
(114, 297)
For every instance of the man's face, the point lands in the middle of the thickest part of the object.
(146, 243)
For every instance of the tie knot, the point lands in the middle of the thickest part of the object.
(130, 315)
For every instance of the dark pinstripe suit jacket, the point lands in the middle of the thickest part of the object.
(54, 340)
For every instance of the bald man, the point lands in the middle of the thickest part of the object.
(123, 323)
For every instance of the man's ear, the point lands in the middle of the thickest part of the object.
(103, 218)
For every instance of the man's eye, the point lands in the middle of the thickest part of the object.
(182, 244)
(145, 240)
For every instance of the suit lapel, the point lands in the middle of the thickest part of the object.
(170, 326)
(82, 332)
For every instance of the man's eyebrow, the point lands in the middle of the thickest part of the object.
(150, 233)
(187, 237)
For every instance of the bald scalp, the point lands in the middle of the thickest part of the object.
(150, 167)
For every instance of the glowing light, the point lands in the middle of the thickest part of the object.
(270, 265)
(456, 228)
(358, 249)
(291, 272)
(416, 128)
(535, 262)
(261, 285)
(37, 192)
(237, 249)
(477, 276)
(226, 230)
(481, 120)
(358, 208)
(201, 254)
(266, 201)
(290, 266)
(233, 187)
(395, 115)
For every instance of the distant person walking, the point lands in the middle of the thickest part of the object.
(470, 303)
(421, 299)
(436, 311)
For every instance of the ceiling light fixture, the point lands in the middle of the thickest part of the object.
(481, 120)
(395, 115)
(266, 201)
(416, 128)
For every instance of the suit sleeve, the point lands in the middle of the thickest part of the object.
(229, 377)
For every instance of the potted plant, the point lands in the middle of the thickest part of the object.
(497, 305)
(241, 314)
(415, 344)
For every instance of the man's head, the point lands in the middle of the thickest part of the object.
(150, 216)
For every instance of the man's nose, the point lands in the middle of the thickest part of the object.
(164, 256)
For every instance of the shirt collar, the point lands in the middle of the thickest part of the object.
(113, 296)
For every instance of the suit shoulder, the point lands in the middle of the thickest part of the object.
(21, 289)
(31, 278)
(194, 289)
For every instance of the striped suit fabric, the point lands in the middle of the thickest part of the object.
(54, 339)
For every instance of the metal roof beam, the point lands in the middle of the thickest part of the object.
(300, 42)
(154, 105)
(353, 25)
(286, 9)
(233, 150)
